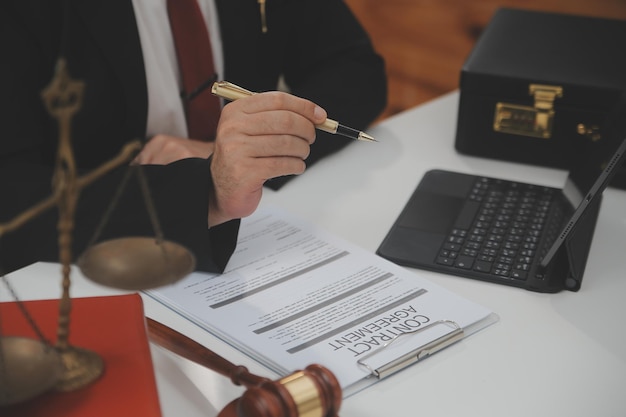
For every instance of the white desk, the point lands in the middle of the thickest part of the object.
(550, 355)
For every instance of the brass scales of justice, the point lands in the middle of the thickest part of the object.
(30, 367)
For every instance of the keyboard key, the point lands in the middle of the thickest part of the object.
(505, 260)
(464, 262)
(503, 266)
(492, 244)
(476, 238)
(482, 266)
(501, 272)
(452, 246)
(517, 274)
(470, 252)
(510, 253)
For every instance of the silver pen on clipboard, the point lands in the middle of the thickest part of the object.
(414, 355)
(231, 91)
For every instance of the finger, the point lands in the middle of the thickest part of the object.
(263, 146)
(264, 169)
(279, 166)
(276, 100)
(267, 123)
(282, 122)
(257, 170)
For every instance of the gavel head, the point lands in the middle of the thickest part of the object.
(314, 392)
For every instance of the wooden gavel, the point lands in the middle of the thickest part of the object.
(312, 392)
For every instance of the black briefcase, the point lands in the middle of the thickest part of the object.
(543, 89)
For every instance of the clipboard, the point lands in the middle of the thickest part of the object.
(454, 335)
(295, 294)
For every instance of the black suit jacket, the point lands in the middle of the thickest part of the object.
(317, 46)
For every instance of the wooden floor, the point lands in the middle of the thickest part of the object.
(425, 42)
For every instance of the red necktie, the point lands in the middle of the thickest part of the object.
(195, 60)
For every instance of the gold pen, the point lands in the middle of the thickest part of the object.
(231, 91)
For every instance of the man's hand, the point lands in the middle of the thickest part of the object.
(260, 137)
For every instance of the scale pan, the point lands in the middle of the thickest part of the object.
(29, 368)
(136, 263)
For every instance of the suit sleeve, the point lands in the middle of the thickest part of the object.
(29, 41)
(178, 191)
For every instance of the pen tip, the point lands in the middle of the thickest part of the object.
(366, 137)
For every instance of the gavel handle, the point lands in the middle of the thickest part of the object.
(190, 349)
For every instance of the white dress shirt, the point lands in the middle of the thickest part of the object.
(165, 108)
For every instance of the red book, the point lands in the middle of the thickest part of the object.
(112, 326)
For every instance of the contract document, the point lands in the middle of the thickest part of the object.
(294, 295)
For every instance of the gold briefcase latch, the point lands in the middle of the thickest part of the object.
(526, 120)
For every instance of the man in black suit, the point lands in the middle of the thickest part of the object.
(317, 47)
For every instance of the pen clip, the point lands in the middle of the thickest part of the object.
(415, 355)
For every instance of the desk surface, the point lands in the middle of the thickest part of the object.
(549, 355)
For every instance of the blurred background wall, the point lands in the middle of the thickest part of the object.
(425, 42)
